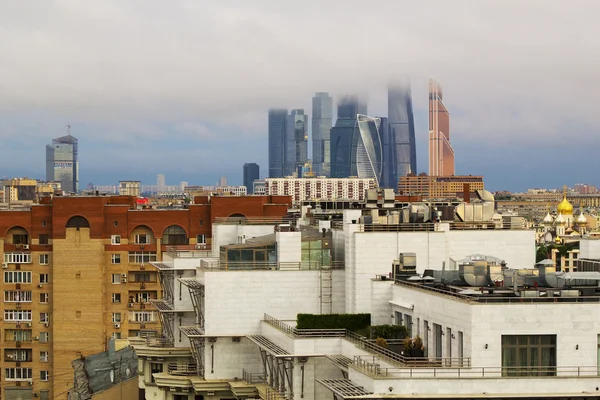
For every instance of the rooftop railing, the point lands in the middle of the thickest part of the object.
(372, 368)
(183, 369)
(368, 345)
(404, 227)
(254, 220)
(266, 265)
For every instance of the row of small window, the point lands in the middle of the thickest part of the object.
(23, 296)
(134, 258)
(25, 335)
(25, 258)
(23, 374)
(22, 355)
(23, 277)
(138, 239)
(136, 316)
(24, 316)
(137, 277)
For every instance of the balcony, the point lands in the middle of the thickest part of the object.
(182, 369)
(13, 356)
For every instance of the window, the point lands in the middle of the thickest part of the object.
(19, 335)
(44, 375)
(116, 279)
(17, 277)
(16, 355)
(116, 223)
(43, 239)
(528, 355)
(115, 239)
(43, 259)
(44, 318)
(180, 397)
(409, 324)
(21, 239)
(17, 315)
(398, 318)
(142, 239)
(142, 316)
(116, 258)
(43, 224)
(155, 368)
(116, 317)
(44, 278)
(175, 235)
(116, 297)
(16, 296)
(17, 258)
(142, 276)
(44, 297)
(143, 297)
(44, 337)
(116, 335)
(43, 356)
(201, 239)
(17, 374)
(141, 257)
(201, 222)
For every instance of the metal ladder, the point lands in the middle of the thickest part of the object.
(326, 292)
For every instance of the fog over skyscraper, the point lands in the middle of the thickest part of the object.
(62, 162)
(441, 153)
(350, 105)
(399, 140)
(322, 118)
(296, 141)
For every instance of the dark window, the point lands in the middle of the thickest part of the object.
(175, 235)
(529, 355)
(43, 239)
(201, 222)
(21, 239)
(155, 368)
(43, 223)
(142, 276)
(116, 223)
(78, 222)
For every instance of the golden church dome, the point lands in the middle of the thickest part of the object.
(565, 208)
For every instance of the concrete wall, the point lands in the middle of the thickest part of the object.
(125, 391)
(224, 234)
(589, 248)
(226, 358)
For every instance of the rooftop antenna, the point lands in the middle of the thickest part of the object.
(69, 129)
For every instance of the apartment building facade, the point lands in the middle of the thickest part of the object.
(74, 274)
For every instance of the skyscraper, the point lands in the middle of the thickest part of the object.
(277, 122)
(160, 182)
(441, 153)
(349, 106)
(296, 141)
(322, 115)
(356, 148)
(251, 173)
(399, 138)
(62, 162)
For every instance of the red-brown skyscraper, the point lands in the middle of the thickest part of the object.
(441, 153)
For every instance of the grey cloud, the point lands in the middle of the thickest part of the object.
(213, 68)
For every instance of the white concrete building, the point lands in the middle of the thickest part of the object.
(234, 336)
(303, 189)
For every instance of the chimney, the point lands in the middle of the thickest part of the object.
(467, 193)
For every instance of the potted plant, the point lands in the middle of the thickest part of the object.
(381, 342)
(418, 350)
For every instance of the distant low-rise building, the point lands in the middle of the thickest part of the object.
(439, 187)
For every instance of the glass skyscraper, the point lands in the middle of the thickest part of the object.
(296, 141)
(251, 173)
(62, 163)
(277, 120)
(349, 106)
(322, 118)
(400, 147)
(288, 141)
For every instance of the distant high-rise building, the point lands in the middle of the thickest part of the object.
(223, 181)
(251, 173)
(356, 148)
(322, 118)
(441, 153)
(296, 141)
(399, 136)
(62, 162)
(349, 106)
(160, 182)
(183, 185)
(277, 119)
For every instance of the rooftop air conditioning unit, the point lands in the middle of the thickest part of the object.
(117, 325)
(25, 247)
(4, 265)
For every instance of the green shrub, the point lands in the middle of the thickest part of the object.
(381, 342)
(389, 331)
(351, 322)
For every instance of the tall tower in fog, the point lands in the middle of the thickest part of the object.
(441, 153)
(322, 115)
(399, 142)
(62, 162)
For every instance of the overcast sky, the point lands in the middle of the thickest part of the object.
(183, 87)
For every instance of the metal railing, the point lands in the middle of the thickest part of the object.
(184, 369)
(372, 368)
(158, 342)
(368, 345)
(497, 299)
(254, 220)
(267, 266)
(253, 377)
(272, 394)
(403, 227)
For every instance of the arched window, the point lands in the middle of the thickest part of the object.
(78, 222)
(175, 235)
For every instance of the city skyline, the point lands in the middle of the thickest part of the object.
(125, 101)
